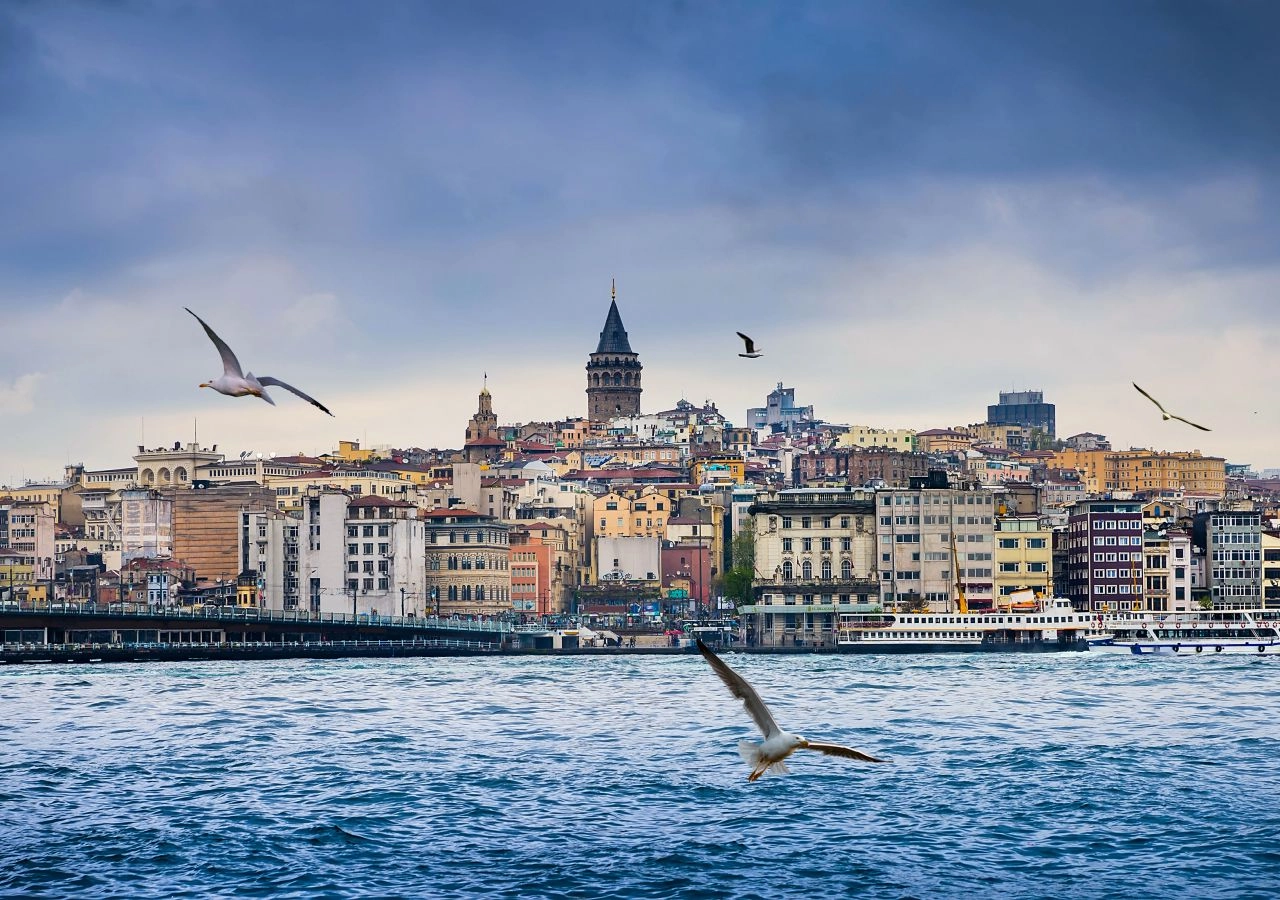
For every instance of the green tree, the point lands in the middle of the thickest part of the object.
(739, 578)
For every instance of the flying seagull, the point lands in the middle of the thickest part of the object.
(235, 383)
(1164, 412)
(752, 352)
(778, 744)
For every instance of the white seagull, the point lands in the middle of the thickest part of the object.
(752, 352)
(778, 744)
(235, 383)
(1165, 413)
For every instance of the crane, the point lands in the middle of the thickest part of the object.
(962, 604)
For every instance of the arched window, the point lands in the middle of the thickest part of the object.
(479, 593)
(453, 562)
(846, 570)
(180, 474)
(806, 570)
(479, 562)
(787, 571)
(466, 562)
(466, 593)
(164, 476)
(826, 570)
(435, 564)
(617, 379)
(626, 378)
(146, 476)
(453, 593)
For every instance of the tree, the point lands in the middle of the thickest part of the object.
(740, 577)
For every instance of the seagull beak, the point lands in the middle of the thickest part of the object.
(204, 385)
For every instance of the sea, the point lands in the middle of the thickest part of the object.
(1021, 776)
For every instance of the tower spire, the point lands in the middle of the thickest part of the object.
(613, 289)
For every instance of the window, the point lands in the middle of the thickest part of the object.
(806, 544)
(787, 571)
(846, 543)
(368, 531)
(1037, 567)
(384, 530)
(846, 570)
(786, 521)
(826, 521)
(368, 549)
(826, 570)
(1036, 543)
(826, 544)
(786, 545)
(806, 522)
(1009, 567)
(844, 521)
(806, 570)
(1008, 543)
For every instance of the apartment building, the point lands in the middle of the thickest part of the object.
(1104, 561)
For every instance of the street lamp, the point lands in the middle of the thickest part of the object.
(402, 603)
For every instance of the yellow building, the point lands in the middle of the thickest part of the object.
(17, 575)
(349, 452)
(630, 454)
(1150, 471)
(718, 467)
(617, 515)
(864, 436)
(942, 440)
(1023, 557)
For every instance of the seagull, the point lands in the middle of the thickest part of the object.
(235, 383)
(778, 744)
(752, 352)
(1164, 412)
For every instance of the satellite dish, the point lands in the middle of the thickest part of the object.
(259, 456)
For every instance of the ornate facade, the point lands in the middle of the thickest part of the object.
(613, 371)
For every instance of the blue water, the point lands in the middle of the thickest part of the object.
(1065, 775)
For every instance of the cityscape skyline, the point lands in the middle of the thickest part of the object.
(910, 209)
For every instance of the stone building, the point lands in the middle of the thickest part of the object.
(207, 526)
(468, 563)
(815, 558)
(857, 466)
(613, 372)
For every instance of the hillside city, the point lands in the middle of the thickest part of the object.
(622, 515)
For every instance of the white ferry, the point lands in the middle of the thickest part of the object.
(1209, 632)
(1050, 624)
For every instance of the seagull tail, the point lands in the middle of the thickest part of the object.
(267, 397)
(750, 753)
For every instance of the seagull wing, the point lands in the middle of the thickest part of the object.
(838, 750)
(739, 687)
(1189, 422)
(1149, 397)
(230, 365)
(268, 381)
(751, 345)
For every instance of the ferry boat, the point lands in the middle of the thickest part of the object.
(1047, 625)
(1210, 632)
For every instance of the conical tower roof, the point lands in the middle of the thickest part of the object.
(613, 339)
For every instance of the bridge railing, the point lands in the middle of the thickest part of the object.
(249, 614)
(433, 643)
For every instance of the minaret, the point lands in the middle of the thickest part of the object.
(484, 424)
(613, 371)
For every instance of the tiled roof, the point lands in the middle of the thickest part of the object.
(374, 500)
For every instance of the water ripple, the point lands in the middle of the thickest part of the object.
(1050, 776)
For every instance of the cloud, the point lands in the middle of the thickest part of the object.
(19, 396)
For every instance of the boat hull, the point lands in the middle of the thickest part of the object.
(1190, 648)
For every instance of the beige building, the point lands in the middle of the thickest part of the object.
(865, 436)
(468, 563)
(1146, 471)
(618, 515)
(1023, 557)
(815, 558)
(207, 526)
(290, 490)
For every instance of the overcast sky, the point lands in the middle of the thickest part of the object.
(911, 206)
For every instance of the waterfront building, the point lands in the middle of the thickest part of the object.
(613, 371)
(1167, 571)
(146, 524)
(468, 563)
(1271, 569)
(269, 548)
(1233, 556)
(815, 557)
(176, 466)
(1024, 408)
(627, 559)
(207, 526)
(917, 531)
(1104, 561)
(29, 530)
(1023, 556)
(17, 574)
(155, 581)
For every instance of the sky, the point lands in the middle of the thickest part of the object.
(910, 206)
